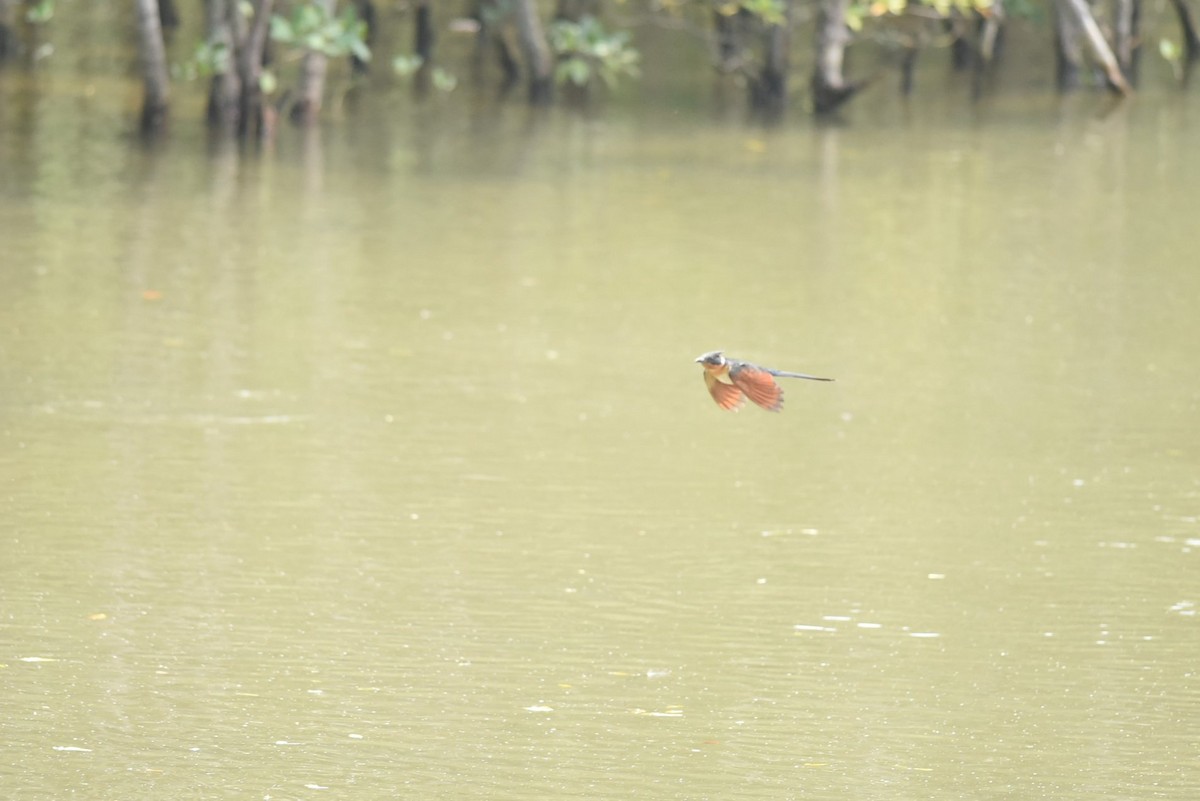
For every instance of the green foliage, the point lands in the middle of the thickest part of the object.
(859, 12)
(210, 58)
(769, 11)
(407, 65)
(1025, 9)
(586, 51)
(1172, 54)
(772, 12)
(314, 29)
(40, 12)
(442, 80)
(495, 12)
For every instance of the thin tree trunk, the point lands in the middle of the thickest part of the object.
(370, 18)
(830, 89)
(1127, 36)
(729, 50)
(225, 91)
(989, 37)
(168, 14)
(154, 66)
(311, 88)
(487, 37)
(538, 58)
(249, 66)
(8, 32)
(423, 47)
(1081, 14)
(423, 41)
(1187, 23)
(1068, 48)
(962, 54)
(990, 31)
(771, 87)
(506, 57)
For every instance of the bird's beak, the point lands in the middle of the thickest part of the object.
(699, 359)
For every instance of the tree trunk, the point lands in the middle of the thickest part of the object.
(423, 35)
(487, 37)
(168, 15)
(729, 49)
(8, 32)
(313, 67)
(1187, 23)
(1068, 49)
(154, 67)
(770, 90)
(370, 18)
(1127, 35)
(225, 91)
(538, 58)
(990, 31)
(1188, 26)
(1080, 14)
(830, 89)
(250, 51)
(962, 53)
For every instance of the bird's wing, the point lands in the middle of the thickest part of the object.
(727, 396)
(758, 384)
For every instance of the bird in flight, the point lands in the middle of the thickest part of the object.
(731, 381)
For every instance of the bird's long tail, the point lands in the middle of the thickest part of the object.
(786, 374)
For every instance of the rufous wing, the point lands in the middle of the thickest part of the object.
(759, 386)
(727, 396)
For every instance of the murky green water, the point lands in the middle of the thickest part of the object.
(379, 467)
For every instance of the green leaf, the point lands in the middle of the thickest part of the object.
(40, 12)
(406, 65)
(360, 50)
(576, 70)
(282, 30)
(586, 50)
(442, 80)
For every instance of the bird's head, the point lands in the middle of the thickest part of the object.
(714, 359)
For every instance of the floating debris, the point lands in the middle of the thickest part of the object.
(539, 708)
(669, 712)
(1187, 608)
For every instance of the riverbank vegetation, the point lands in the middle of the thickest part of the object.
(264, 60)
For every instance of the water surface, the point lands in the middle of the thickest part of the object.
(377, 466)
